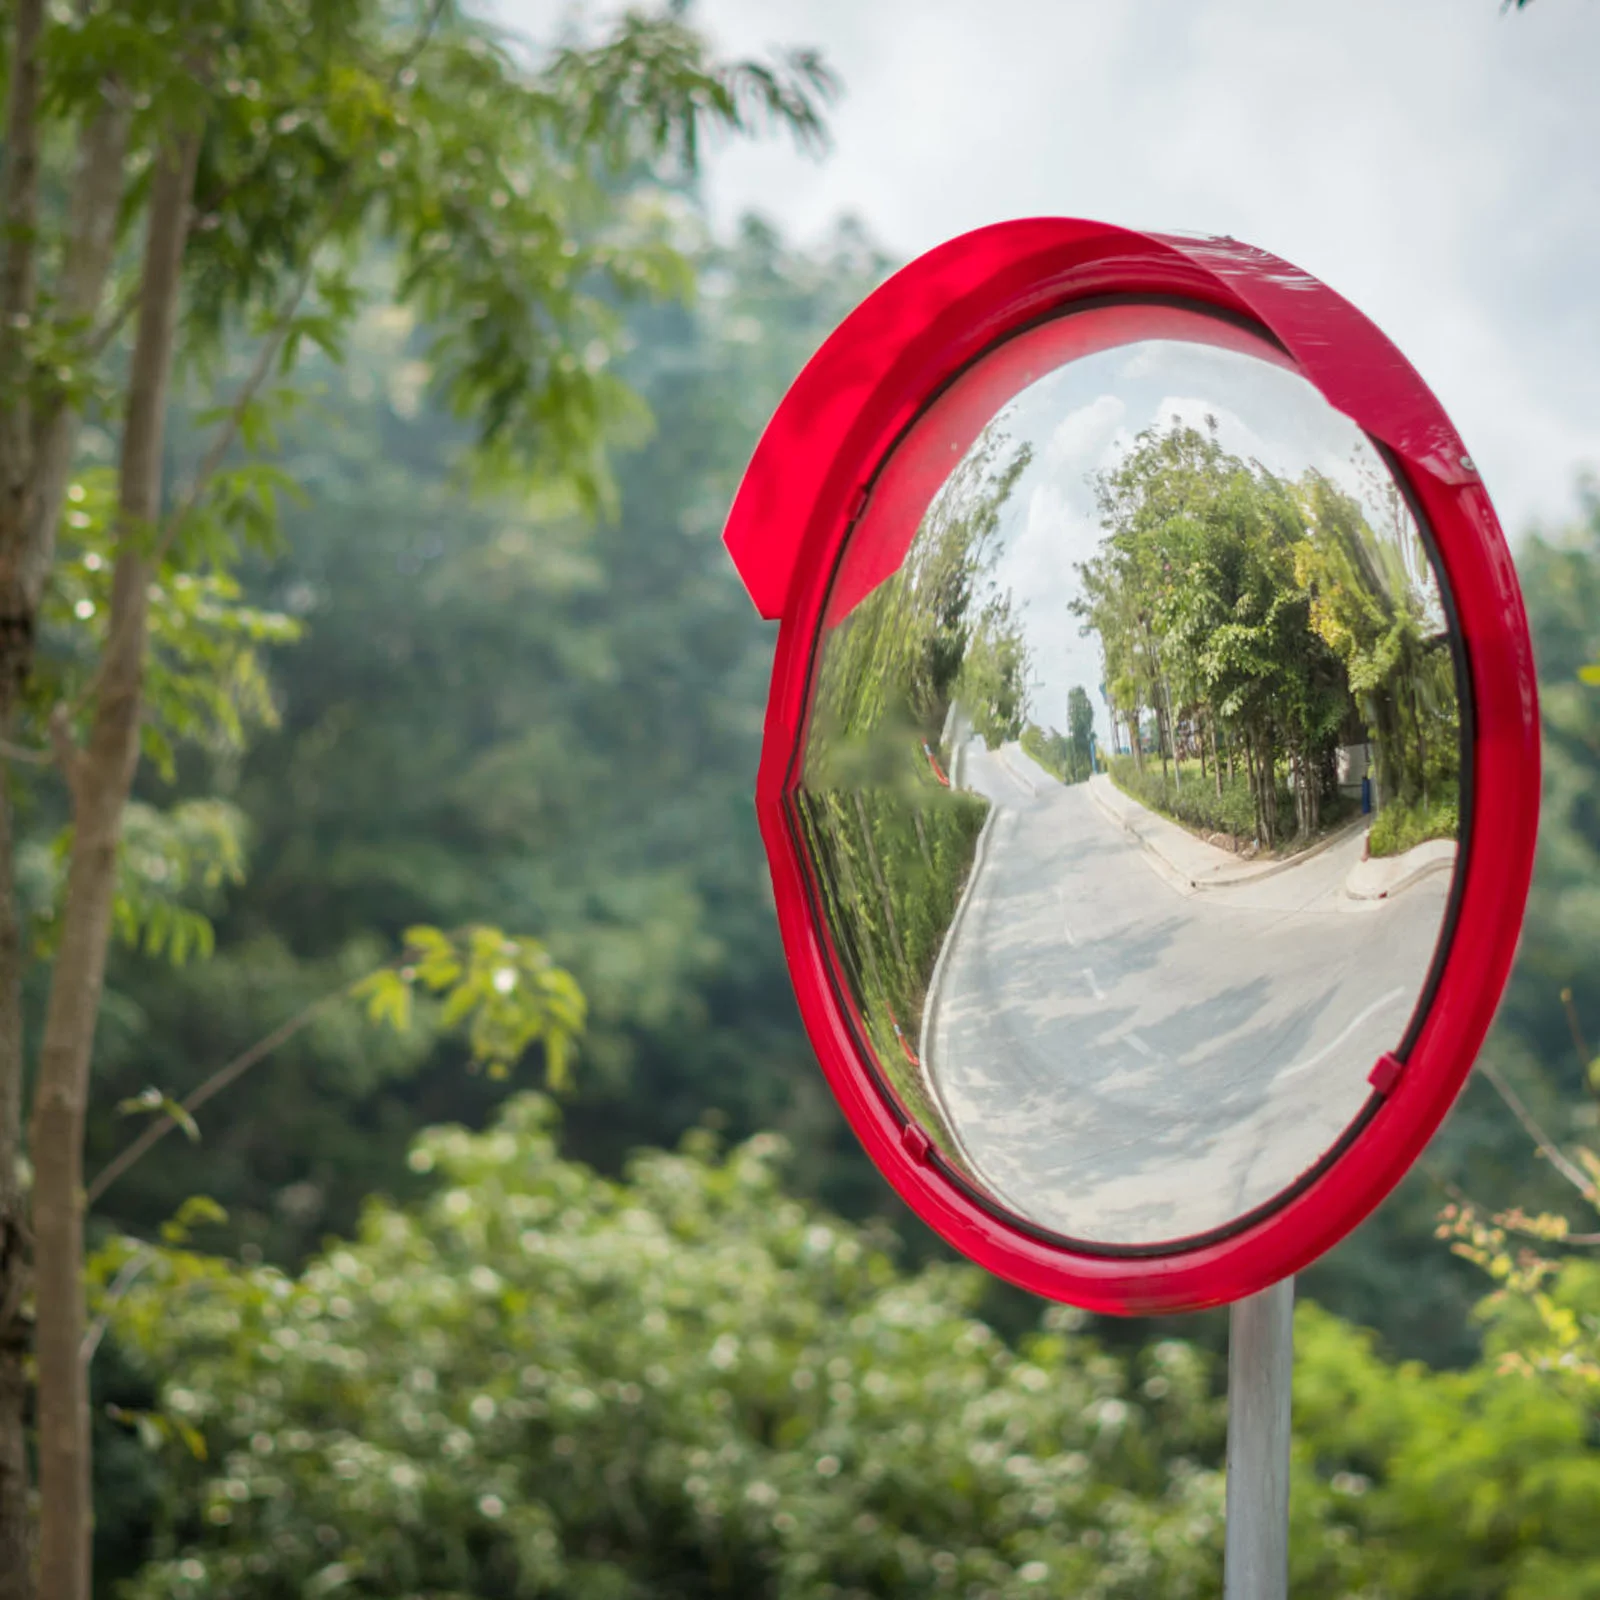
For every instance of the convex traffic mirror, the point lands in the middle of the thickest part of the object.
(1151, 766)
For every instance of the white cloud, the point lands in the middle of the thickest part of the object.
(1084, 434)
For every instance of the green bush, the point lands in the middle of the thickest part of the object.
(538, 1382)
(1399, 828)
(892, 866)
(1197, 804)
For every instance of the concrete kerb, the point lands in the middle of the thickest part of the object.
(1378, 877)
(1225, 873)
(1159, 862)
(1021, 778)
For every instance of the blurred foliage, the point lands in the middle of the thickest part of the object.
(498, 712)
(537, 1381)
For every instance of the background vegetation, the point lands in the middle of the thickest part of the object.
(426, 1337)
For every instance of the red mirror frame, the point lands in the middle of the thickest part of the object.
(802, 494)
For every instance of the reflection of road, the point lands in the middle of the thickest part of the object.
(1128, 1063)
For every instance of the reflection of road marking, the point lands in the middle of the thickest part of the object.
(1016, 777)
(1088, 973)
(1066, 929)
(1350, 1027)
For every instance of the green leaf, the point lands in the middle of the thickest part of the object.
(388, 998)
(150, 1102)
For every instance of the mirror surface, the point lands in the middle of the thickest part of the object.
(1132, 777)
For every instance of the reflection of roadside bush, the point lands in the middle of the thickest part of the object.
(1399, 828)
(1197, 804)
(892, 868)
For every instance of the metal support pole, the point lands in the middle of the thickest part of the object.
(1260, 1365)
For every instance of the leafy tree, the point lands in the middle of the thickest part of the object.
(1369, 604)
(929, 655)
(233, 163)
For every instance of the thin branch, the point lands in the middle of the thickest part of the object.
(219, 1080)
(228, 429)
(21, 203)
(119, 1286)
(101, 337)
(19, 211)
(1547, 1146)
(1575, 1028)
(1499, 1218)
(23, 753)
(65, 748)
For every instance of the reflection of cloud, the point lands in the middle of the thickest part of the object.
(1083, 434)
(1142, 362)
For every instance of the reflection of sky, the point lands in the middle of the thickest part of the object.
(1082, 418)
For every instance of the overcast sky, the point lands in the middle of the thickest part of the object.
(1434, 160)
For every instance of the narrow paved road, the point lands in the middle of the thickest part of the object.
(1128, 1062)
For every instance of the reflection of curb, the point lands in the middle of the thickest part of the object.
(930, 1001)
(1378, 877)
(1224, 875)
(1019, 778)
(1166, 869)
(1268, 869)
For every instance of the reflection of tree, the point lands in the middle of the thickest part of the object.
(926, 635)
(1069, 755)
(1369, 609)
(1080, 727)
(890, 843)
(1250, 622)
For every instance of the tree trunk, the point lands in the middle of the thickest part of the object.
(19, 260)
(1255, 790)
(91, 241)
(16, 1554)
(18, 294)
(1268, 776)
(99, 779)
(1422, 743)
(37, 454)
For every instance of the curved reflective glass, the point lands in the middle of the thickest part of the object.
(1132, 778)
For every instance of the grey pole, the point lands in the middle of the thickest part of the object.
(1260, 1365)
